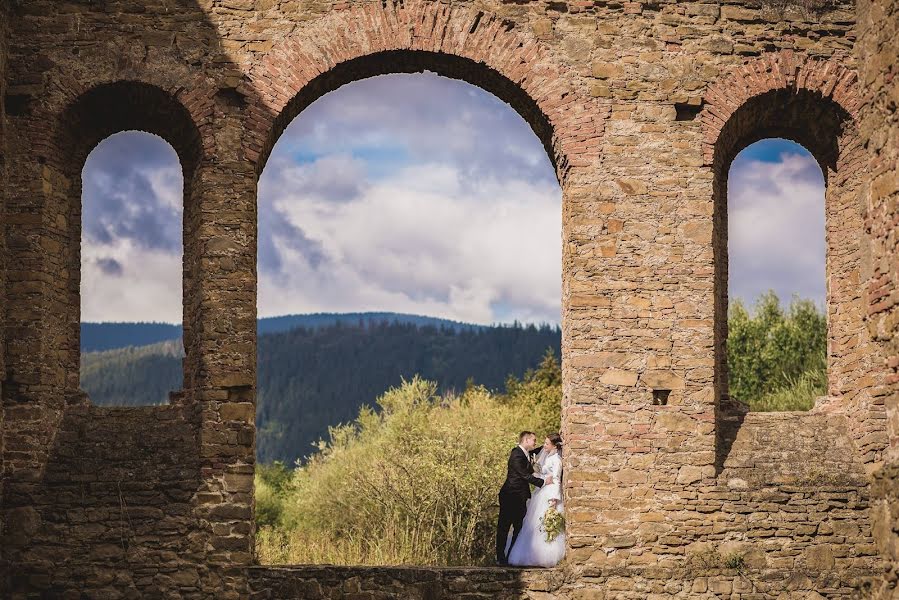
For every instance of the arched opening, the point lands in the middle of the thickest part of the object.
(128, 151)
(777, 327)
(424, 211)
(131, 255)
(827, 131)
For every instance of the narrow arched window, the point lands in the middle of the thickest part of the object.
(777, 321)
(131, 273)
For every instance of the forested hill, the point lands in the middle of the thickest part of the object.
(109, 336)
(313, 377)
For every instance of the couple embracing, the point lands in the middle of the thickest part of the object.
(538, 537)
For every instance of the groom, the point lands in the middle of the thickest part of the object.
(513, 496)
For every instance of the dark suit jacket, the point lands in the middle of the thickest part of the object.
(520, 474)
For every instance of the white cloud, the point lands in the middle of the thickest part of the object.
(411, 193)
(776, 228)
(407, 117)
(148, 287)
(427, 242)
(131, 240)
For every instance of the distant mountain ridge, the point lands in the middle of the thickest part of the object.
(312, 378)
(97, 337)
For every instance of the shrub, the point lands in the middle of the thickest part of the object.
(414, 482)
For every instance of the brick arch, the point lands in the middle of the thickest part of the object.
(458, 42)
(110, 108)
(132, 101)
(814, 103)
(778, 77)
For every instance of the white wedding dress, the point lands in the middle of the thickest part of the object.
(531, 548)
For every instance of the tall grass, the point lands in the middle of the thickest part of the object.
(413, 482)
(798, 394)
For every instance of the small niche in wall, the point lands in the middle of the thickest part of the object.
(687, 112)
(660, 397)
(17, 105)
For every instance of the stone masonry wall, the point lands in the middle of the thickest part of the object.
(700, 580)
(112, 513)
(878, 49)
(640, 105)
(4, 36)
(793, 495)
(380, 583)
(83, 72)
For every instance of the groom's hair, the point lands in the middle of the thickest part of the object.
(525, 434)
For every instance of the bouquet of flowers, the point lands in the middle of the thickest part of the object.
(552, 523)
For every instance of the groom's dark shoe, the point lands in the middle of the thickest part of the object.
(502, 563)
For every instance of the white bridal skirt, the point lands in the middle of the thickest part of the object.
(531, 548)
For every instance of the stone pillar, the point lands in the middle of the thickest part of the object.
(854, 359)
(40, 314)
(220, 335)
(878, 50)
(638, 341)
(4, 32)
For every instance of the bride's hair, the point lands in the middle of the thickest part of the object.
(556, 440)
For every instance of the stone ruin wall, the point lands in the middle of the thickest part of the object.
(878, 49)
(105, 519)
(4, 27)
(641, 107)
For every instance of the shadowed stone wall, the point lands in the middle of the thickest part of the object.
(641, 107)
(698, 580)
(4, 33)
(78, 73)
(105, 520)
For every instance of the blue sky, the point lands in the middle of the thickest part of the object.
(411, 193)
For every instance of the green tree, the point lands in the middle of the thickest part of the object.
(777, 359)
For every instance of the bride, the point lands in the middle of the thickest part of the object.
(531, 548)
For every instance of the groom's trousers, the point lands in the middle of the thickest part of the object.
(512, 510)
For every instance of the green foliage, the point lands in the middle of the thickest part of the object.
(539, 392)
(132, 376)
(271, 482)
(735, 561)
(413, 482)
(777, 359)
(312, 379)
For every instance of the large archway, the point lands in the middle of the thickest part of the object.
(320, 214)
(457, 42)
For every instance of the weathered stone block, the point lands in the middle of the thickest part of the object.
(619, 377)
